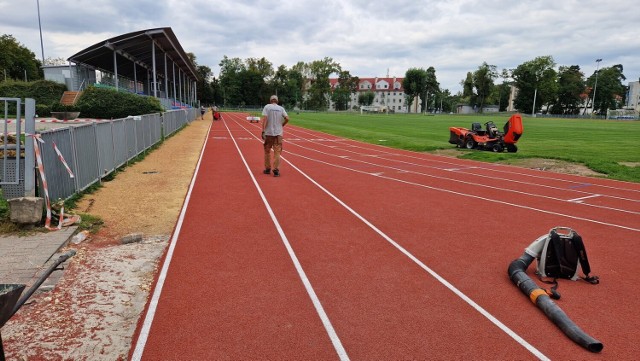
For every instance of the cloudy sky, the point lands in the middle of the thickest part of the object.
(368, 38)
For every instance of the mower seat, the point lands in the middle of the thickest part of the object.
(476, 127)
(492, 130)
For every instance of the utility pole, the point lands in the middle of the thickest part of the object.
(40, 26)
(593, 101)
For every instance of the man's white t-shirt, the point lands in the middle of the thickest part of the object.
(275, 117)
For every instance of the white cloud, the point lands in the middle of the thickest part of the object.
(366, 37)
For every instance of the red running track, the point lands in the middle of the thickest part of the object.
(368, 253)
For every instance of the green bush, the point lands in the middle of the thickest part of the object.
(59, 107)
(44, 92)
(104, 103)
(43, 110)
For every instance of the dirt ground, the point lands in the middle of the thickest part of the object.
(93, 311)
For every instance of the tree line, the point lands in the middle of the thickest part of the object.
(250, 82)
(307, 85)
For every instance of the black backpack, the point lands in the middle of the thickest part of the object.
(563, 256)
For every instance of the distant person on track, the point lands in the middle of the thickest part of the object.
(202, 111)
(274, 118)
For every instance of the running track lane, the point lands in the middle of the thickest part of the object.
(381, 303)
(465, 221)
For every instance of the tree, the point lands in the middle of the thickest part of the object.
(261, 66)
(483, 82)
(432, 87)
(609, 90)
(347, 85)
(55, 61)
(366, 98)
(204, 90)
(570, 88)
(535, 79)
(17, 62)
(230, 82)
(415, 81)
(468, 95)
(320, 87)
(504, 90)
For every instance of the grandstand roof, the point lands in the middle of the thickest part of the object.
(136, 47)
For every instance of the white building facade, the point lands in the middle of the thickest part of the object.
(633, 96)
(389, 95)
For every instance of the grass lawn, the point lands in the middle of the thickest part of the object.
(610, 147)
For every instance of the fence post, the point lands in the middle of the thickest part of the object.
(29, 156)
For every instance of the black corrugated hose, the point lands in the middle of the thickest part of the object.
(518, 275)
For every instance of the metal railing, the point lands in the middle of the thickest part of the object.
(95, 150)
(13, 179)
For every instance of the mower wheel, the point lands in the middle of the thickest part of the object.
(512, 148)
(497, 148)
(469, 143)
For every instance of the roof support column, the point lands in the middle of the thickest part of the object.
(175, 98)
(135, 78)
(180, 85)
(115, 68)
(153, 61)
(166, 78)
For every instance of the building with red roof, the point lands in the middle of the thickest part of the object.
(388, 92)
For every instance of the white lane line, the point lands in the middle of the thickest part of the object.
(492, 167)
(335, 340)
(473, 183)
(435, 275)
(579, 200)
(465, 182)
(471, 195)
(153, 304)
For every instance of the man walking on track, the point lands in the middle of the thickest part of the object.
(274, 118)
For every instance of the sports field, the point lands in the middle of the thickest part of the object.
(364, 252)
(610, 147)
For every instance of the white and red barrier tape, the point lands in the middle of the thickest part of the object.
(62, 220)
(55, 147)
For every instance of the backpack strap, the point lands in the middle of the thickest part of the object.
(553, 291)
(584, 261)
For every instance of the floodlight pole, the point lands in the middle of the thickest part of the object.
(40, 27)
(593, 101)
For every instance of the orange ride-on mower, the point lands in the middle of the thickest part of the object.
(489, 139)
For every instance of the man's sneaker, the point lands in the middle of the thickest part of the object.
(267, 171)
(276, 173)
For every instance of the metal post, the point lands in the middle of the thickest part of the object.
(153, 62)
(173, 71)
(135, 78)
(593, 101)
(533, 111)
(115, 68)
(180, 85)
(29, 156)
(166, 78)
(40, 26)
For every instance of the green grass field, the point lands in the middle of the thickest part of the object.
(610, 147)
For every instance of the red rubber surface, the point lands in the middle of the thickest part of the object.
(232, 290)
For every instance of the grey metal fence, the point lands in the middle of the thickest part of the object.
(94, 150)
(15, 182)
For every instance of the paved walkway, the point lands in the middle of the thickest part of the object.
(22, 258)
